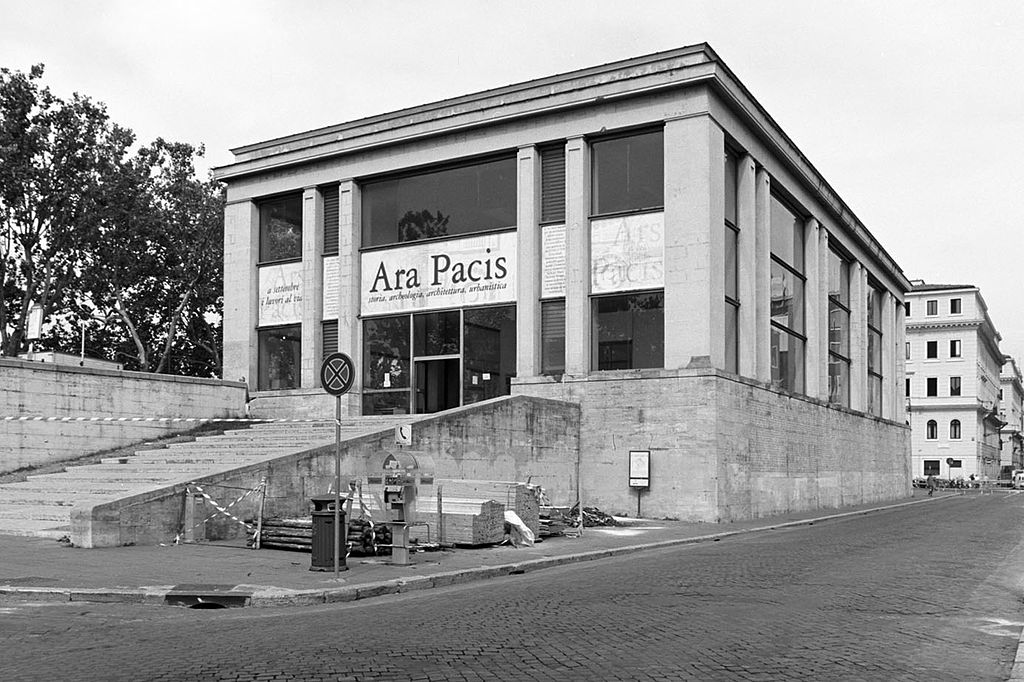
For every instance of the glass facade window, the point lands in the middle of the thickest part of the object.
(839, 330)
(874, 303)
(552, 337)
(387, 368)
(476, 197)
(280, 357)
(954, 348)
(732, 297)
(436, 334)
(629, 331)
(954, 386)
(788, 341)
(628, 173)
(954, 429)
(932, 430)
(489, 357)
(281, 228)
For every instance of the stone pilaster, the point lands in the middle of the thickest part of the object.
(577, 265)
(746, 221)
(349, 273)
(763, 247)
(312, 285)
(812, 310)
(529, 257)
(241, 292)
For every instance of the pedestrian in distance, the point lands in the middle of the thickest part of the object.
(931, 484)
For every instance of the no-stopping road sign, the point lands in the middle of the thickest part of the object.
(337, 373)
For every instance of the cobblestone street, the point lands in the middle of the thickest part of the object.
(926, 592)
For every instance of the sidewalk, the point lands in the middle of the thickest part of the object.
(36, 569)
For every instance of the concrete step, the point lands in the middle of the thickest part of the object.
(36, 528)
(37, 512)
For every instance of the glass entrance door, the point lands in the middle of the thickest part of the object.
(437, 384)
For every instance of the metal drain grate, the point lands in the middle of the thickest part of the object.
(207, 596)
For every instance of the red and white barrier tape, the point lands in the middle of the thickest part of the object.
(194, 488)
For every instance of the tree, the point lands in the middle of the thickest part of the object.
(55, 158)
(128, 245)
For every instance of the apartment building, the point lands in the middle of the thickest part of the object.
(953, 381)
(1011, 413)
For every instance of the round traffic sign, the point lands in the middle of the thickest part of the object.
(337, 373)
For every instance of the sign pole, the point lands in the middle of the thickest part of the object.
(337, 486)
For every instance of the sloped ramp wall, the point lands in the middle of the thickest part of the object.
(517, 438)
(66, 392)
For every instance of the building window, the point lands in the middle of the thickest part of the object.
(931, 467)
(907, 387)
(906, 308)
(386, 365)
(552, 184)
(787, 291)
(954, 306)
(732, 297)
(954, 386)
(908, 349)
(954, 348)
(838, 329)
(628, 173)
(874, 351)
(329, 337)
(954, 429)
(933, 386)
(456, 200)
(629, 331)
(489, 352)
(280, 357)
(932, 430)
(330, 195)
(552, 337)
(932, 350)
(281, 228)
(933, 307)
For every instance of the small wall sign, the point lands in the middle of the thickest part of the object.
(639, 468)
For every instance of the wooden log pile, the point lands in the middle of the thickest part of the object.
(363, 539)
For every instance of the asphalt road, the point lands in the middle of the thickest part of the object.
(927, 592)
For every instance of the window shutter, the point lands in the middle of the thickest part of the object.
(330, 337)
(330, 195)
(552, 335)
(552, 184)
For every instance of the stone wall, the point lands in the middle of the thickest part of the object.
(53, 391)
(504, 439)
(724, 448)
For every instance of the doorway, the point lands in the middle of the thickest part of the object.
(437, 384)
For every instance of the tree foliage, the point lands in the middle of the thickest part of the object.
(124, 242)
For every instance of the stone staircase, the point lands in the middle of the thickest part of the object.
(41, 506)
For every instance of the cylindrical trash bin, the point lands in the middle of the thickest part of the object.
(323, 535)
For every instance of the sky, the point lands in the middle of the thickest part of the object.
(912, 111)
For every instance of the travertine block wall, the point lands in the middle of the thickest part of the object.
(724, 448)
(34, 389)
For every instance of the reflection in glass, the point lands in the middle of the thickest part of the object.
(787, 354)
(628, 173)
(787, 235)
(489, 360)
(436, 333)
(280, 357)
(787, 298)
(839, 381)
(629, 331)
(281, 228)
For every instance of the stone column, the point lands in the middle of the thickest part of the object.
(528, 247)
(858, 337)
(349, 293)
(577, 265)
(746, 221)
(889, 356)
(763, 247)
(312, 285)
(812, 311)
(694, 243)
(241, 292)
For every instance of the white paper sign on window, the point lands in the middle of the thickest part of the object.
(457, 273)
(627, 253)
(331, 283)
(280, 294)
(552, 250)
